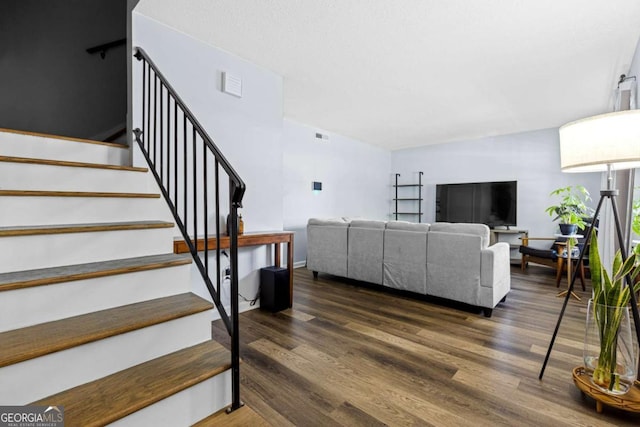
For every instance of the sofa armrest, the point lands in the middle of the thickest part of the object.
(494, 263)
(495, 273)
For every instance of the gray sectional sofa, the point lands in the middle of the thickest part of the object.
(452, 261)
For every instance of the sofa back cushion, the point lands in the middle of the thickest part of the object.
(464, 228)
(405, 257)
(367, 223)
(453, 266)
(407, 226)
(340, 222)
(365, 249)
(327, 246)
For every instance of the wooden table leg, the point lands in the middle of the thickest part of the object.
(276, 251)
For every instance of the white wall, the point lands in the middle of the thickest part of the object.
(278, 159)
(531, 158)
(49, 82)
(354, 178)
(247, 130)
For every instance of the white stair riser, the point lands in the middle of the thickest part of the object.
(35, 210)
(184, 408)
(34, 379)
(53, 250)
(24, 176)
(18, 145)
(30, 306)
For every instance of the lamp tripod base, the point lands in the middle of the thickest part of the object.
(573, 294)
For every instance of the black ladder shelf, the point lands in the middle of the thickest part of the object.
(409, 199)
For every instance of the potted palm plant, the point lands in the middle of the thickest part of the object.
(610, 352)
(572, 209)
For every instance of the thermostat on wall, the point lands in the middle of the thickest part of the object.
(232, 84)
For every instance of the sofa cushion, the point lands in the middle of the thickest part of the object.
(364, 223)
(453, 266)
(463, 228)
(327, 246)
(540, 253)
(365, 250)
(405, 259)
(407, 226)
(330, 221)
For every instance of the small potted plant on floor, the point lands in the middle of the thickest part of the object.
(571, 210)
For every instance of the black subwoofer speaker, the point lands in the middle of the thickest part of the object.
(274, 288)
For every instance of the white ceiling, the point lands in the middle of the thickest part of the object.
(404, 73)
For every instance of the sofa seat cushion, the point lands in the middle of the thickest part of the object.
(540, 253)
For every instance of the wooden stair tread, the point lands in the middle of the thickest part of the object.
(30, 342)
(63, 138)
(48, 276)
(244, 416)
(113, 397)
(50, 162)
(46, 193)
(30, 230)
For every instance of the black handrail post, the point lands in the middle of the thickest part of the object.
(235, 322)
(217, 180)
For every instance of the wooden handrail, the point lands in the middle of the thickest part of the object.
(103, 48)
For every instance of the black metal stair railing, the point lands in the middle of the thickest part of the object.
(187, 166)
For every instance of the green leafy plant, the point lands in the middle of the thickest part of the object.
(572, 208)
(635, 223)
(610, 300)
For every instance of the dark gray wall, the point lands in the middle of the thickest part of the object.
(48, 82)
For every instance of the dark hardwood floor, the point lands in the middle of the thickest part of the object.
(352, 355)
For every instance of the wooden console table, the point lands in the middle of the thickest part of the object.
(250, 239)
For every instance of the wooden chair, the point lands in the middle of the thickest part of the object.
(548, 257)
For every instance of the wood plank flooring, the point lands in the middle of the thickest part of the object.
(352, 355)
(241, 417)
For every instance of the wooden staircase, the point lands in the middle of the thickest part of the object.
(96, 312)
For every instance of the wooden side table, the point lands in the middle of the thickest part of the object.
(250, 239)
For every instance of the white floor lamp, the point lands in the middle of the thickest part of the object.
(606, 142)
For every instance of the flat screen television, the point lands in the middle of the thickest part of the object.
(490, 203)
